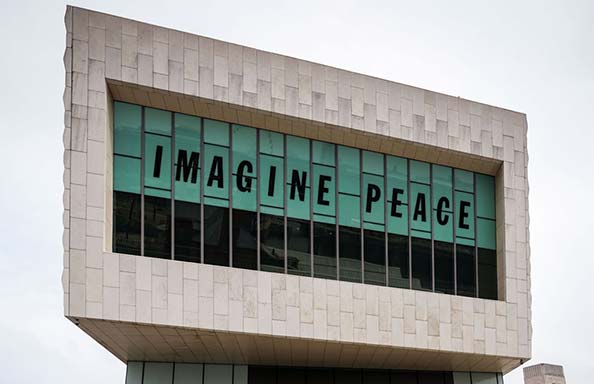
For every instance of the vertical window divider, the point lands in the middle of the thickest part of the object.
(361, 220)
(336, 207)
(454, 231)
(285, 203)
(172, 185)
(385, 157)
(230, 192)
(258, 187)
(202, 190)
(431, 226)
(311, 208)
(142, 181)
(476, 262)
(408, 220)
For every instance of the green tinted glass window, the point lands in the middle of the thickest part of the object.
(127, 127)
(244, 167)
(216, 179)
(187, 158)
(216, 132)
(485, 196)
(157, 164)
(324, 198)
(420, 212)
(397, 194)
(419, 172)
(298, 178)
(126, 174)
(157, 121)
(464, 180)
(464, 216)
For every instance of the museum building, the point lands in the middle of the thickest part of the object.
(237, 216)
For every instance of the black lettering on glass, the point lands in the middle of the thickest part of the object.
(420, 208)
(463, 214)
(244, 184)
(441, 218)
(158, 158)
(216, 172)
(373, 195)
(185, 166)
(298, 183)
(271, 181)
(322, 188)
(396, 202)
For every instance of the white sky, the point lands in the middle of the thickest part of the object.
(535, 57)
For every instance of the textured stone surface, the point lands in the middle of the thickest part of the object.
(107, 56)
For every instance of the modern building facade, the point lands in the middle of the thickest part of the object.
(234, 215)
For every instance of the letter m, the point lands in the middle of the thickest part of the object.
(185, 166)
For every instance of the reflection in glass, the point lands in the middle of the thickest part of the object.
(375, 257)
(421, 263)
(487, 264)
(444, 267)
(245, 239)
(126, 223)
(216, 235)
(157, 227)
(465, 269)
(324, 250)
(272, 243)
(298, 255)
(187, 231)
(350, 254)
(398, 275)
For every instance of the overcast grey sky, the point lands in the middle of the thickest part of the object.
(535, 57)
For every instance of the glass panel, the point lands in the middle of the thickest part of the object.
(324, 249)
(465, 269)
(157, 165)
(347, 376)
(419, 172)
(349, 209)
(218, 374)
(216, 167)
(397, 195)
(126, 174)
(290, 376)
(350, 254)
(245, 241)
(157, 121)
(430, 377)
(272, 143)
(134, 372)
(240, 374)
(324, 197)
(216, 132)
(464, 180)
(216, 235)
(157, 227)
(484, 378)
(319, 376)
(272, 243)
(298, 178)
(375, 257)
(485, 196)
(372, 377)
(187, 231)
(298, 249)
(261, 375)
(444, 267)
(404, 378)
(487, 269)
(187, 373)
(187, 158)
(462, 378)
(421, 263)
(158, 373)
(244, 168)
(127, 123)
(323, 153)
(271, 184)
(420, 214)
(373, 163)
(465, 215)
(398, 261)
(126, 224)
(373, 199)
